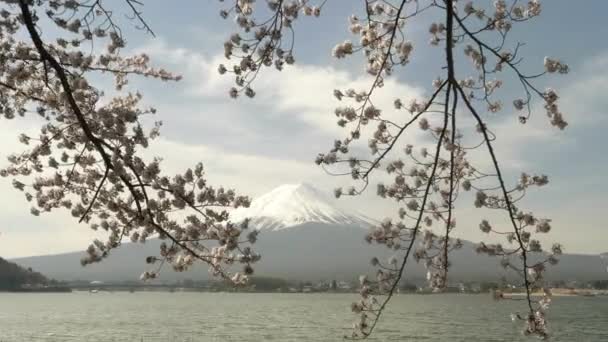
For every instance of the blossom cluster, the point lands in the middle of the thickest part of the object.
(261, 42)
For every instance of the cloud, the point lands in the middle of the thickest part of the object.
(292, 113)
(255, 145)
(301, 93)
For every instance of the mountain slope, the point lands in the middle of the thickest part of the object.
(304, 236)
(310, 251)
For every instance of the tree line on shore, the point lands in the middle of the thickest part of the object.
(16, 278)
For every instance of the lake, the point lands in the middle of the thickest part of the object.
(191, 317)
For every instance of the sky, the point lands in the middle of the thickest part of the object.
(255, 145)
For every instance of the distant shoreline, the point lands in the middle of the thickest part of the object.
(59, 289)
(563, 292)
(556, 292)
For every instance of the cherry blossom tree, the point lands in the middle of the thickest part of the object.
(87, 157)
(478, 56)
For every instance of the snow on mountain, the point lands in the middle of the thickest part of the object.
(294, 204)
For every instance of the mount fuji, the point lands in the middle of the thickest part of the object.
(303, 235)
(291, 205)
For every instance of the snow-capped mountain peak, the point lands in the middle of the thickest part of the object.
(294, 204)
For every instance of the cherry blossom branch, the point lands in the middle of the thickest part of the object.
(111, 192)
(509, 206)
(389, 294)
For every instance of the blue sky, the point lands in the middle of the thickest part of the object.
(258, 144)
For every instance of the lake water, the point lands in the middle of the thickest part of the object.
(190, 317)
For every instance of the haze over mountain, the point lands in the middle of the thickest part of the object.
(304, 235)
